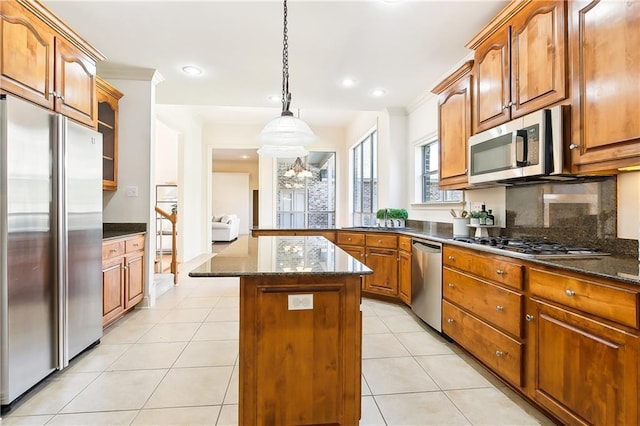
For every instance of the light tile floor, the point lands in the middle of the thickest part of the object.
(176, 364)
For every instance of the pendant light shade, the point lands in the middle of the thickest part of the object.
(285, 136)
(287, 130)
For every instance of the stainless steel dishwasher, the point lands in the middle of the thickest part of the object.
(426, 282)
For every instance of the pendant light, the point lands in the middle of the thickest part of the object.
(286, 135)
(297, 170)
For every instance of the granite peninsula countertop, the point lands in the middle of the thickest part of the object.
(280, 256)
(621, 268)
(112, 231)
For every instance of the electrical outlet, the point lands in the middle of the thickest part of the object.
(476, 206)
(132, 191)
(299, 302)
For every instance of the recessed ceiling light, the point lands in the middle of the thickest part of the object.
(349, 82)
(376, 93)
(191, 70)
(244, 157)
(275, 98)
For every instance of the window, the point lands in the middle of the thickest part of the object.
(365, 180)
(307, 202)
(430, 191)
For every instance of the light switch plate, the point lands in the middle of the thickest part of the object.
(132, 191)
(300, 302)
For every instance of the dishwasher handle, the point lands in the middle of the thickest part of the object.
(426, 247)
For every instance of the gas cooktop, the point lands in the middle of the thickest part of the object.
(536, 249)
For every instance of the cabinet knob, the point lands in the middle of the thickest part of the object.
(569, 293)
(500, 308)
(53, 93)
(499, 354)
(379, 241)
(136, 245)
(450, 320)
(60, 97)
(573, 146)
(361, 254)
(348, 239)
(500, 272)
(452, 285)
(451, 258)
(529, 317)
(113, 251)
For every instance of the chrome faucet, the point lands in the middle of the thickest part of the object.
(386, 217)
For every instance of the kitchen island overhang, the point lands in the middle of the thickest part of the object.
(300, 329)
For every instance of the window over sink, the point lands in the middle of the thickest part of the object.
(429, 163)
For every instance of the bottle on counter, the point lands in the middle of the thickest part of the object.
(490, 220)
(483, 215)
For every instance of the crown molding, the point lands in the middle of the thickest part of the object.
(125, 72)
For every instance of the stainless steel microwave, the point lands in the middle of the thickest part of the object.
(525, 147)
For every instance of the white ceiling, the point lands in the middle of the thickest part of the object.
(404, 47)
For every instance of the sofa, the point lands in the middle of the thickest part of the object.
(224, 227)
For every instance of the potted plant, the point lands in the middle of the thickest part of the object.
(395, 217)
(475, 217)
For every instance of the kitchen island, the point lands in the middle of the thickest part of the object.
(300, 329)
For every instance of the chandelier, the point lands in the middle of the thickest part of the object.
(297, 170)
(285, 136)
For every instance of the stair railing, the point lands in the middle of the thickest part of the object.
(173, 218)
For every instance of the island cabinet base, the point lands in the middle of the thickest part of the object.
(300, 359)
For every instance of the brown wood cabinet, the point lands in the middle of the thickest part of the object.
(482, 309)
(316, 351)
(122, 276)
(520, 62)
(108, 98)
(583, 371)
(605, 53)
(454, 126)
(44, 61)
(404, 269)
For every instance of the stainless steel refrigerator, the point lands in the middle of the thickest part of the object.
(50, 243)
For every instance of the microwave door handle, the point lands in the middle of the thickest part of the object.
(525, 148)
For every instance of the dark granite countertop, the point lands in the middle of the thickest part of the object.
(112, 235)
(620, 268)
(278, 256)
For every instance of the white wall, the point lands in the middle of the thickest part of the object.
(166, 159)
(194, 232)
(231, 195)
(135, 151)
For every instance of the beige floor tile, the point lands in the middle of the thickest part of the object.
(178, 416)
(208, 353)
(52, 395)
(186, 315)
(147, 356)
(101, 418)
(367, 310)
(419, 409)
(223, 314)
(25, 420)
(370, 415)
(213, 290)
(452, 372)
(493, 407)
(125, 333)
(381, 346)
(424, 343)
(364, 388)
(231, 397)
(383, 309)
(229, 302)
(184, 387)
(223, 330)
(403, 323)
(228, 416)
(396, 375)
(146, 315)
(178, 332)
(373, 325)
(98, 358)
(198, 302)
(116, 390)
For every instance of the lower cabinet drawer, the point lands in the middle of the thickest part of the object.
(135, 243)
(498, 351)
(350, 238)
(496, 305)
(112, 249)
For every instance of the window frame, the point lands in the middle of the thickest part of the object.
(362, 215)
(446, 196)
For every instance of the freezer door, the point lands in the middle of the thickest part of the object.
(28, 341)
(82, 237)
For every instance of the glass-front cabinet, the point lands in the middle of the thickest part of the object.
(108, 97)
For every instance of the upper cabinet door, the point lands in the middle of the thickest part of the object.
(605, 55)
(454, 127)
(538, 57)
(75, 84)
(26, 55)
(492, 81)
